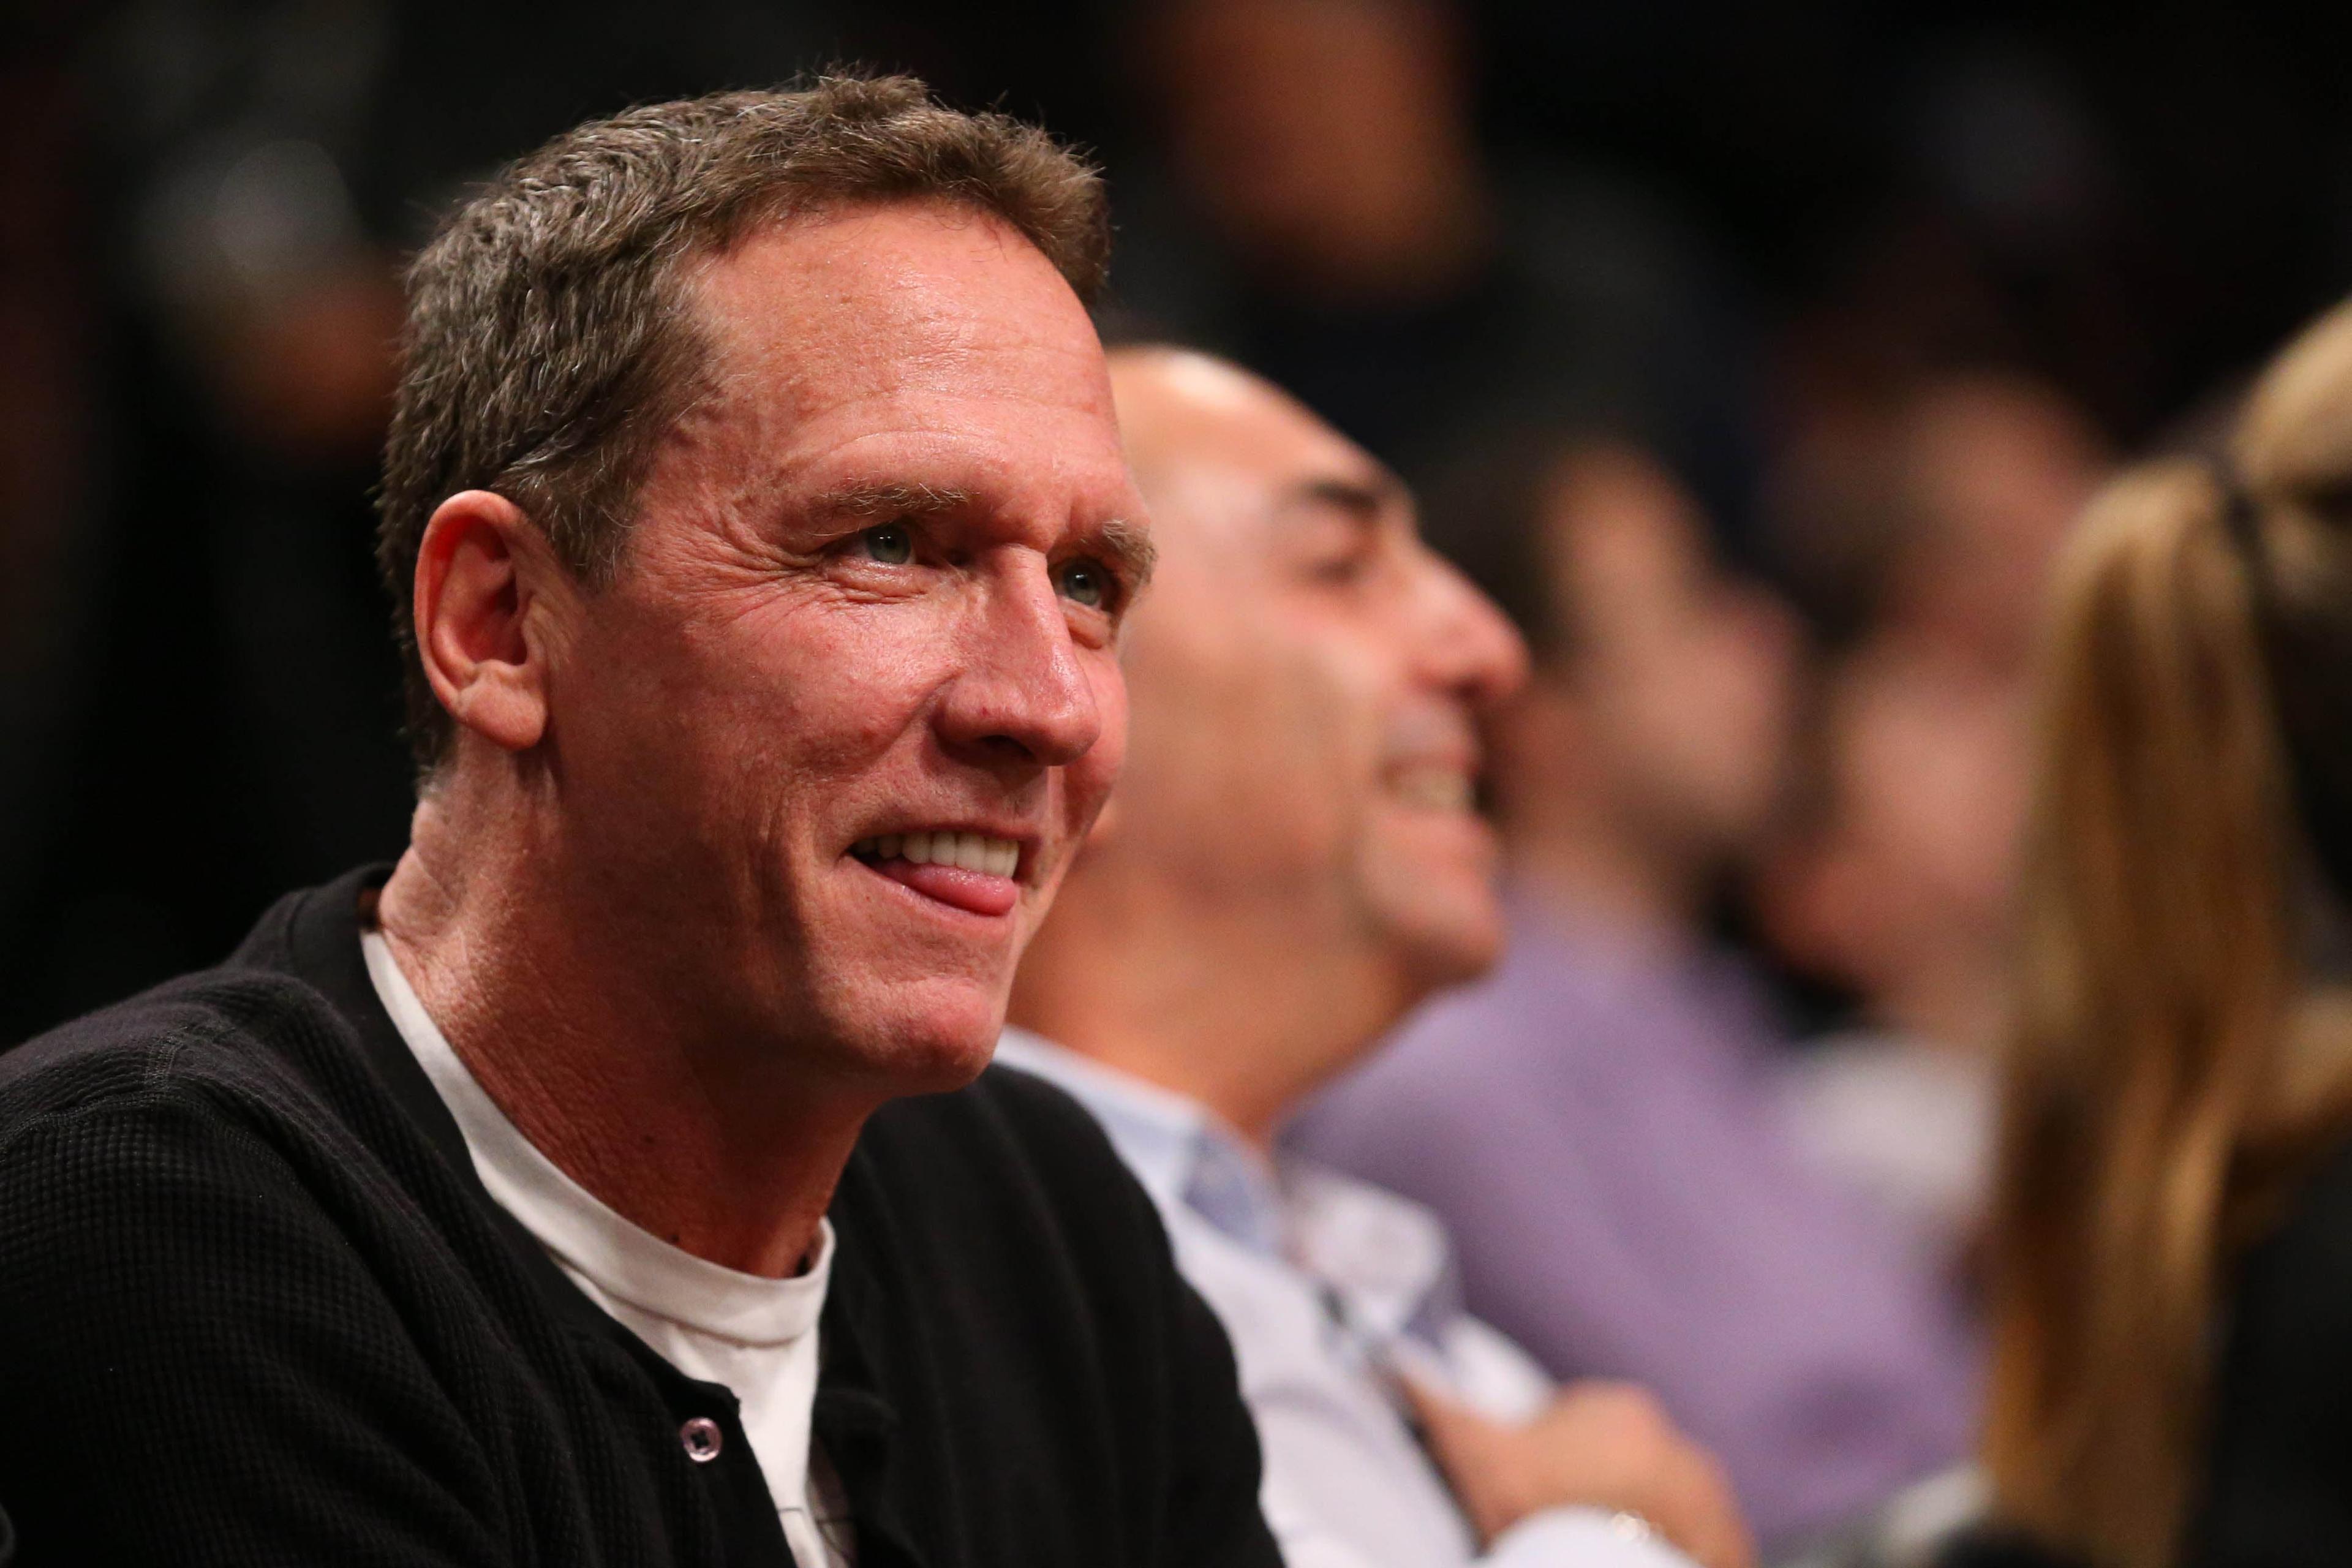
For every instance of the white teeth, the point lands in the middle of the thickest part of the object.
(968, 851)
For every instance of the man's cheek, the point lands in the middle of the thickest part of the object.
(1110, 701)
(1093, 775)
(1086, 787)
(848, 699)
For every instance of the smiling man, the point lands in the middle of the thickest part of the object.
(761, 538)
(1295, 860)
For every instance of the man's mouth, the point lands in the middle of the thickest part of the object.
(975, 872)
(1433, 786)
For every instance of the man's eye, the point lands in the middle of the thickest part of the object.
(891, 544)
(1084, 583)
(1343, 570)
(1340, 553)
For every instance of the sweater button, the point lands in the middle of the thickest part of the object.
(702, 1439)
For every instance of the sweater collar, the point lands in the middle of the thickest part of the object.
(315, 935)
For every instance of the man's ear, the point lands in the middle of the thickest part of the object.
(481, 569)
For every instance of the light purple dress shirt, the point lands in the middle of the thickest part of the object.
(1597, 1129)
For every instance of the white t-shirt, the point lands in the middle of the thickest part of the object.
(756, 1336)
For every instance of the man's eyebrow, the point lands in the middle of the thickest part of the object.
(888, 498)
(1368, 499)
(1129, 545)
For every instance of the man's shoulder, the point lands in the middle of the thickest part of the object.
(1422, 1093)
(254, 1036)
(1041, 1110)
(1552, 1018)
(994, 1231)
(1007, 1168)
(214, 1031)
(1004, 1124)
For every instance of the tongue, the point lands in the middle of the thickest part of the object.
(976, 892)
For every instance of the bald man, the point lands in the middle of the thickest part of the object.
(1294, 861)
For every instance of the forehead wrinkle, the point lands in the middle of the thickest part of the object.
(891, 498)
(1127, 543)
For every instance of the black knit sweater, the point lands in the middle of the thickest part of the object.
(256, 1309)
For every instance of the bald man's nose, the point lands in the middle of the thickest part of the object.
(1469, 645)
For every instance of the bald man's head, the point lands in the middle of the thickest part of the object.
(1306, 679)
(1214, 448)
(1177, 407)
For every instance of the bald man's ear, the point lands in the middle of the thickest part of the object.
(481, 572)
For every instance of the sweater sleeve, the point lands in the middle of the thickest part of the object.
(1207, 1514)
(198, 1367)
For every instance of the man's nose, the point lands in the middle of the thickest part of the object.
(1023, 695)
(1468, 644)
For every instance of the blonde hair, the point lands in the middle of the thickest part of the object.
(2172, 1068)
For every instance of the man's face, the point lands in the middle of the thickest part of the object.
(1685, 675)
(831, 735)
(1308, 679)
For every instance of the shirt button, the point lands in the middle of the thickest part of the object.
(702, 1438)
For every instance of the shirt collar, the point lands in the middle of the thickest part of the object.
(619, 1257)
(1385, 1259)
(1185, 1158)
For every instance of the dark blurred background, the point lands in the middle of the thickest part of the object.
(1883, 289)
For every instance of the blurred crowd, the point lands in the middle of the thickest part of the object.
(1756, 361)
(1829, 277)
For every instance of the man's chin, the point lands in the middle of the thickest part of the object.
(946, 1066)
(933, 1049)
(1451, 928)
(1436, 877)
(1456, 953)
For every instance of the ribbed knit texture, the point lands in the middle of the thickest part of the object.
(255, 1309)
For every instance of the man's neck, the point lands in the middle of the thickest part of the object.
(1244, 1021)
(720, 1150)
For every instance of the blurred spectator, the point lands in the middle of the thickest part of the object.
(1418, 212)
(2169, 1380)
(1597, 1123)
(1990, 472)
(1252, 919)
(1900, 893)
(1926, 502)
(1899, 888)
(1328, 215)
